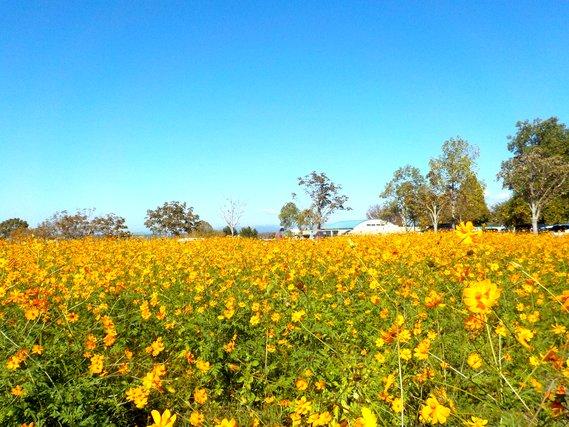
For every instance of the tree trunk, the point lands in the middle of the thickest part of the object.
(435, 218)
(535, 212)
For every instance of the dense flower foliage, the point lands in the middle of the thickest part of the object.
(361, 331)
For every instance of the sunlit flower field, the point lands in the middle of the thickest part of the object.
(416, 329)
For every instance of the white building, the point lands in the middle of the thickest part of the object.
(369, 226)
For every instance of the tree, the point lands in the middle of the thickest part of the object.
(387, 211)
(433, 196)
(172, 218)
(306, 220)
(204, 227)
(110, 225)
(64, 225)
(324, 195)
(511, 213)
(11, 225)
(288, 215)
(552, 137)
(452, 168)
(227, 231)
(536, 178)
(403, 195)
(249, 232)
(232, 212)
(471, 203)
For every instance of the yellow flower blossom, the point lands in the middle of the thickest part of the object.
(162, 420)
(433, 412)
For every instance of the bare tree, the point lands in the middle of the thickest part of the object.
(232, 212)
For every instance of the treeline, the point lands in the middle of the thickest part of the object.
(450, 191)
(170, 219)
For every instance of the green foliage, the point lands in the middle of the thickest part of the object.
(536, 178)
(540, 149)
(471, 203)
(511, 213)
(550, 135)
(11, 225)
(249, 232)
(452, 169)
(324, 195)
(403, 196)
(288, 215)
(172, 218)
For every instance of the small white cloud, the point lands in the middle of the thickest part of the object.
(493, 198)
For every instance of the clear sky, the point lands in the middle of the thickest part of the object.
(124, 105)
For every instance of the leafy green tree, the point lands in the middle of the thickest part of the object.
(109, 225)
(511, 213)
(452, 168)
(204, 228)
(433, 196)
(249, 232)
(552, 137)
(288, 215)
(11, 225)
(65, 225)
(403, 196)
(387, 211)
(324, 195)
(471, 203)
(227, 231)
(172, 218)
(536, 178)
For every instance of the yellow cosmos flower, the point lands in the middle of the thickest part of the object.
(397, 405)
(202, 365)
(368, 418)
(301, 384)
(466, 232)
(200, 395)
(433, 412)
(138, 395)
(476, 422)
(480, 297)
(156, 347)
(523, 335)
(227, 423)
(162, 420)
(96, 364)
(196, 418)
(18, 391)
(474, 360)
(298, 315)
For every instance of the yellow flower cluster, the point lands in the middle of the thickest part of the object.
(366, 331)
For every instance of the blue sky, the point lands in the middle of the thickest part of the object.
(124, 105)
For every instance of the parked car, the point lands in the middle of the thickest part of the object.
(560, 228)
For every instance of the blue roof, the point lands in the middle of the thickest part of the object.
(342, 225)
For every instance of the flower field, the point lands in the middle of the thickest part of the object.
(414, 329)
